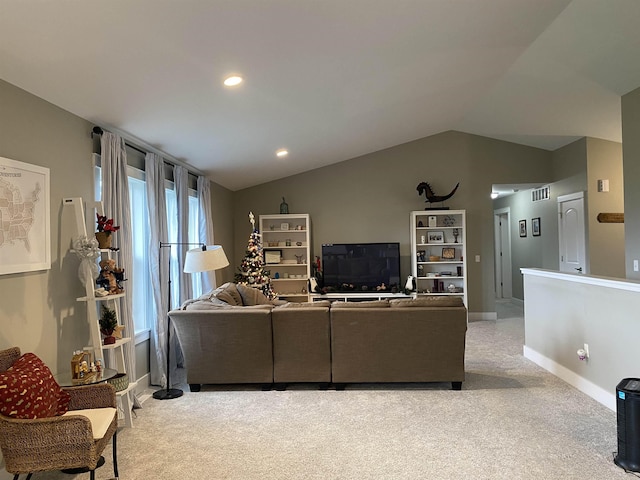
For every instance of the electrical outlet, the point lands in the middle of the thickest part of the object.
(635, 265)
(477, 258)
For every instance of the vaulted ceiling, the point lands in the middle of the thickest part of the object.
(328, 80)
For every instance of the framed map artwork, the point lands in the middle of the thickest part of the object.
(25, 243)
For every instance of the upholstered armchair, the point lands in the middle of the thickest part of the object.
(71, 440)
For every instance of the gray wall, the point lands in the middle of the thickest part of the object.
(606, 240)
(368, 199)
(38, 311)
(631, 160)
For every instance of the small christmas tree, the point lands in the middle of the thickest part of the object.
(251, 270)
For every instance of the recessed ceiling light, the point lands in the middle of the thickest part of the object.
(233, 80)
(283, 152)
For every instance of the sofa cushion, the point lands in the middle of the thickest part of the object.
(368, 304)
(427, 301)
(28, 390)
(251, 296)
(205, 305)
(318, 304)
(229, 293)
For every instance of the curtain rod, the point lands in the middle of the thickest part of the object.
(173, 162)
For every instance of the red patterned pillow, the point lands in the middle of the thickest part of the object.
(28, 390)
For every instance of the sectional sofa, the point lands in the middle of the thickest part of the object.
(236, 335)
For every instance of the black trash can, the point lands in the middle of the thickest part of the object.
(628, 408)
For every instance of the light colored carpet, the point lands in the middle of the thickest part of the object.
(512, 420)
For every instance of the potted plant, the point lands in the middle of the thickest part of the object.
(105, 229)
(108, 323)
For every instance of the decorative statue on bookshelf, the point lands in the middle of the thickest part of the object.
(284, 207)
(424, 187)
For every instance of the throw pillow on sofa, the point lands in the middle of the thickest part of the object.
(251, 296)
(28, 390)
(229, 293)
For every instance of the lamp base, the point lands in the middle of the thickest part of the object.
(167, 394)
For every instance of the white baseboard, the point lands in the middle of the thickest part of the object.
(599, 394)
(475, 316)
(143, 390)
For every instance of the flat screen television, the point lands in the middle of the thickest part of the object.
(360, 267)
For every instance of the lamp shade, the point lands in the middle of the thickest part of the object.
(199, 260)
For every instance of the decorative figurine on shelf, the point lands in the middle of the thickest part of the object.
(284, 207)
(424, 187)
(79, 358)
(110, 276)
(410, 285)
(456, 233)
(117, 332)
(299, 259)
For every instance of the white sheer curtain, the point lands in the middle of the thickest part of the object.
(205, 224)
(181, 183)
(115, 199)
(158, 266)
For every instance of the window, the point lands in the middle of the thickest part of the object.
(192, 237)
(139, 281)
(143, 309)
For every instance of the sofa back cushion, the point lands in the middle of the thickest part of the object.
(427, 301)
(367, 304)
(318, 304)
(28, 390)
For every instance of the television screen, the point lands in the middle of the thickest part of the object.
(360, 267)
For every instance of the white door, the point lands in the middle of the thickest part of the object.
(502, 240)
(571, 233)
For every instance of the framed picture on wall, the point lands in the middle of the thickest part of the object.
(25, 235)
(523, 228)
(535, 227)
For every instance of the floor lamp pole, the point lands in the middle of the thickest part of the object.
(169, 393)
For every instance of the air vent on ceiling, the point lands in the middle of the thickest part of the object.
(542, 193)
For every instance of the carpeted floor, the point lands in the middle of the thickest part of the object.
(512, 420)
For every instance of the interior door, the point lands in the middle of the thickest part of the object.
(572, 233)
(502, 240)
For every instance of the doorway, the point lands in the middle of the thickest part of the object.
(571, 233)
(502, 255)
